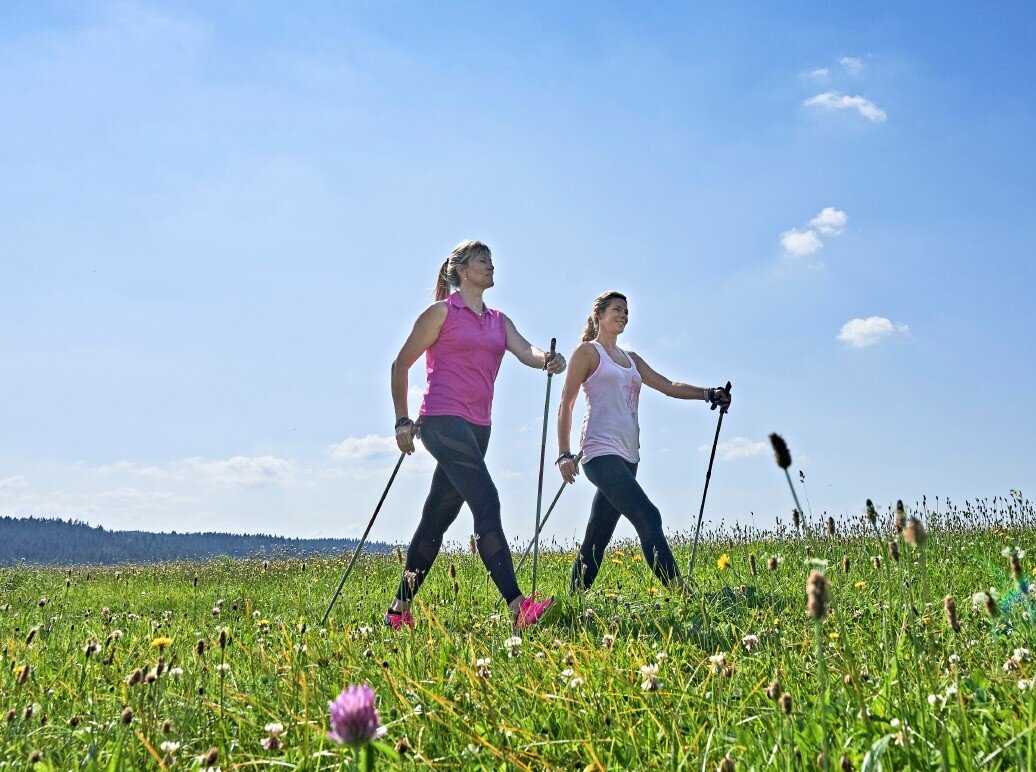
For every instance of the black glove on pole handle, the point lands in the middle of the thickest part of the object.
(539, 487)
(708, 476)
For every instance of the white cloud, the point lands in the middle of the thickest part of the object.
(832, 100)
(830, 221)
(859, 333)
(18, 481)
(362, 448)
(796, 242)
(239, 471)
(736, 447)
(852, 64)
(818, 74)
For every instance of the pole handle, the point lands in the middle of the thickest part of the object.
(727, 389)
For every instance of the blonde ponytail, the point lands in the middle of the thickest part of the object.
(601, 303)
(459, 256)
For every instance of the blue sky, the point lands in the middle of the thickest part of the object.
(219, 221)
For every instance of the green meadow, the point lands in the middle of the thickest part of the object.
(186, 665)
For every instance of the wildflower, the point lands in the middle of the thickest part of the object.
(951, 613)
(136, 677)
(661, 656)
(650, 683)
(816, 591)
(1022, 655)
(773, 691)
(161, 643)
(1010, 665)
(716, 662)
(42, 602)
(567, 672)
(608, 641)
(653, 590)
(723, 562)
(354, 719)
(575, 683)
(780, 451)
(833, 635)
(914, 534)
(1025, 684)
(861, 585)
(22, 674)
(953, 659)
(513, 645)
(750, 642)
(936, 700)
(901, 516)
(482, 667)
(272, 742)
(223, 667)
(168, 746)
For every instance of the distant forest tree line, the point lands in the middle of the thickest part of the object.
(52, 541)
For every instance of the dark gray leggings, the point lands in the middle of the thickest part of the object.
(460, 476)
(619, 493)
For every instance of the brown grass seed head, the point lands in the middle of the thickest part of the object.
(780, 450)
(817, 596)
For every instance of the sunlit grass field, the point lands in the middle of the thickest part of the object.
(185, 665)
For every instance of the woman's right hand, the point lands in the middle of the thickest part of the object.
(405, 437)
(569, 469)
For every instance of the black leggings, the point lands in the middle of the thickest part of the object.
(619, 493)
(460, 476)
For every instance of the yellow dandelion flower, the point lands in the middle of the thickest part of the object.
(638, 558)
(833, 635)
(653, 590)
(617, 561)
(723, 562)
(161, 642)
(860, 585)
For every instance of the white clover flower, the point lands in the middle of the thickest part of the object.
(951, 690)
(1022, 655)
(575, 683)
(936, 700)
(418, 709)
(716, 662)
(608, 641)
(649, 670)
(223, 668)
(275, 728)
(661, 656)
(176, 672)
(953, 659)
(568, 672)
(1025, 685)
(169, 746)
(750, 642)
(256, 614)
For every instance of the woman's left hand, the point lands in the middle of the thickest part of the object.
(555, 363)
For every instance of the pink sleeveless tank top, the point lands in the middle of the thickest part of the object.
(610, 425)
(463, 363)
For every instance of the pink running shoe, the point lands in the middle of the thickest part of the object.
(396, 619)
(531, 611)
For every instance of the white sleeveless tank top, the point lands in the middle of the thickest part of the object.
(610, 425)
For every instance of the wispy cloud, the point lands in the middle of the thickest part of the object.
(363, 448)
(859, 333)
(239, 471)
(833, 100)
(818, 73)
(736, 447)
(798, 242)
(18, 481)
(852, 64)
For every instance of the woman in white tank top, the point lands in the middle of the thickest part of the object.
(610, 439)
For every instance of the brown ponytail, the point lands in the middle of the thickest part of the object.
(601, 303)
(459, 256)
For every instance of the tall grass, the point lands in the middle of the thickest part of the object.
(186, 664)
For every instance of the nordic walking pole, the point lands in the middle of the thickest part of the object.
(359, 546)
(539, 487)
(708, 475)
(543, 523)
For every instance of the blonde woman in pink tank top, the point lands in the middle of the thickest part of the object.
(610, 379)
(463, 341)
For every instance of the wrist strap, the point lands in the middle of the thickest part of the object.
(562, 457)
(404, 421)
